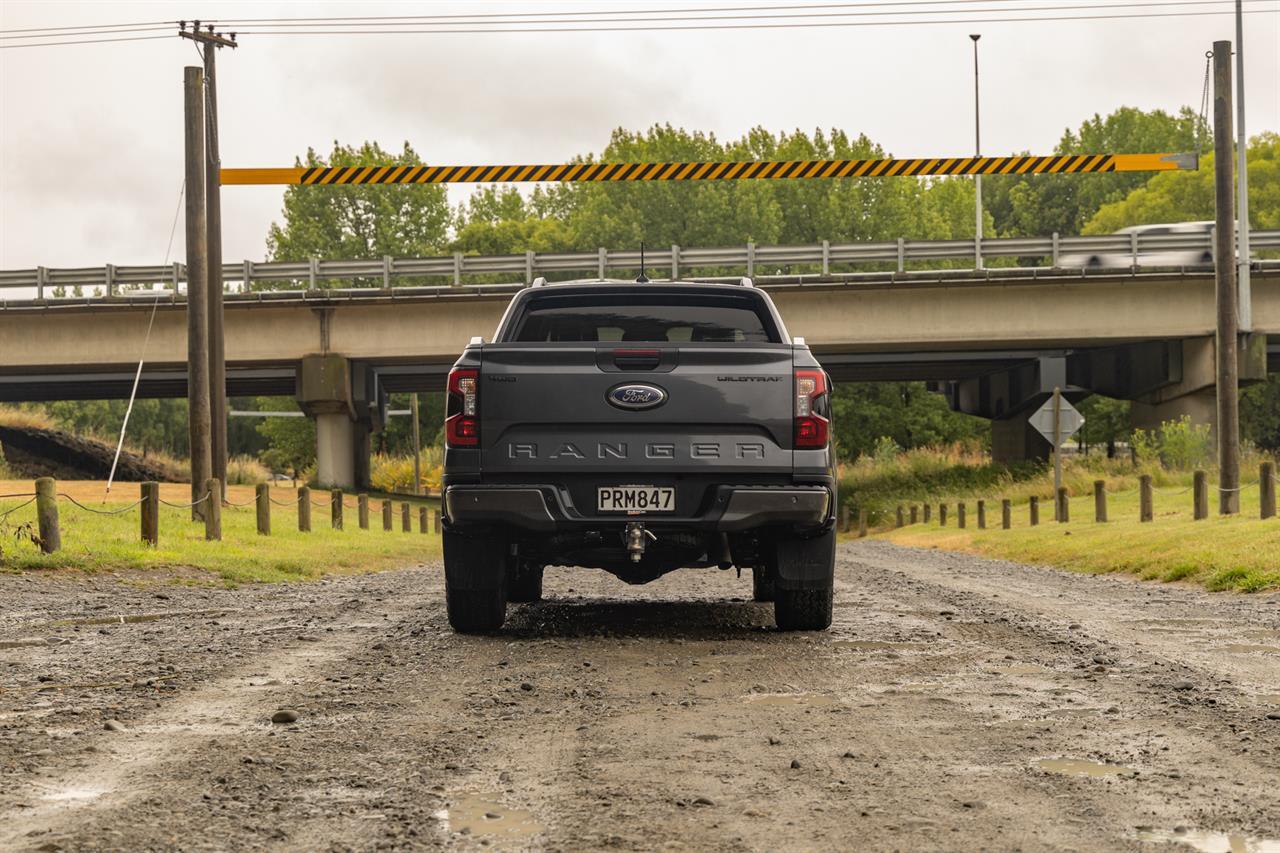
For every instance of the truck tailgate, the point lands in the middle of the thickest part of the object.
(546, 407)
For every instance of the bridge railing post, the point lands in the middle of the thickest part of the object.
(1053, 261)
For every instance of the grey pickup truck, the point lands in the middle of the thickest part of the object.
(638, 428)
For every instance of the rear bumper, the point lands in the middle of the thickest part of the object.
(547, 509)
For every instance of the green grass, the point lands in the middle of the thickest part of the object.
(97, 543)
(1239, 552)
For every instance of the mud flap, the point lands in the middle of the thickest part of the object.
(805, 563)
(474, 563)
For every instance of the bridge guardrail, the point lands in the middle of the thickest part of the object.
(111, 282)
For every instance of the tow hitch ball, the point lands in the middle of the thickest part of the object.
(635, 538)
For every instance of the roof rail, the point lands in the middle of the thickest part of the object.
(747, 282)
(539, 281)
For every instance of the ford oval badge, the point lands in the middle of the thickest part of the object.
(636, 397)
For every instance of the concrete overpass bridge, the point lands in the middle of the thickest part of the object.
(997, 340)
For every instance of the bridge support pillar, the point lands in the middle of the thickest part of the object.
(1193, 392)
(324, 393)
(1015, 440)
(335, 451)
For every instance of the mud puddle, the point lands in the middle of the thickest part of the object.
(1212, 842)
(485, 816)
(1078, 767)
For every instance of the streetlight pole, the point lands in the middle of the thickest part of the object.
(977, 151)
(1243, 289)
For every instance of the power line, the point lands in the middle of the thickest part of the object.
(692, 15)
(760, 26)
(81, 41)
(390, 19)
(139, 25)
(5, 35)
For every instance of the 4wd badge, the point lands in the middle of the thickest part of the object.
(636, 397)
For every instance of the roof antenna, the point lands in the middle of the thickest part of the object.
(642, 279)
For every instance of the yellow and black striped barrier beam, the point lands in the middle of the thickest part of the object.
(715, 171)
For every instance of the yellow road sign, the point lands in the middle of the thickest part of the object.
(714, 171)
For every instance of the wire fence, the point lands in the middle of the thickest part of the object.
(205, 508)
(906, 514)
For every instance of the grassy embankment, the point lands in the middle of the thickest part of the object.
(101, 543)
(1238, 552)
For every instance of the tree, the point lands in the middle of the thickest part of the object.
(1038, 205)
(1188, 196)
(1106, 422)
(353, 221)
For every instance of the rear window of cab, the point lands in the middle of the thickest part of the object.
(644, 318)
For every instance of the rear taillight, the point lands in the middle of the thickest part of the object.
(462, 416)
(812, 426)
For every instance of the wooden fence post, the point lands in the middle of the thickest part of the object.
(1063, 512)
(960, 515)
(150, 512)
(435, 521)
(900, 520)
(862, 523)
(982, 515)
(928, 511)
(213, 512)
(362, 510)
(422, 519)
(1006, 513)
(1267, 489)
(942, 515)
(844, 519)
(1033, 506)
(386, 515)
(405, 524)
(1146, 511)
(304, 509)
(47, 514)
(1100, 501)
(915, 514)
(262, 502)
(335, 509)
(1200, 495)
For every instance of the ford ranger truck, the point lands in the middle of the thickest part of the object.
(638, 428)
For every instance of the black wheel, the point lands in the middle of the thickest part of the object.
(474, 588)
(525, 582)
(802, 609)
(803, 572)
(762, 587)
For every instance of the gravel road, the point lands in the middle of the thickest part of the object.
(957, 704)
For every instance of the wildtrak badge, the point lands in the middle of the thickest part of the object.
(636, 397)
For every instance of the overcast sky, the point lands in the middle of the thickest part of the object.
(91, 135)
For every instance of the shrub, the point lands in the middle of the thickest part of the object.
(246, 471)
(1177, 445)
(395, 473)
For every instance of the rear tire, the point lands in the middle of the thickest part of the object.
(762, 586)
(525, 583)
(475, 611)
(803, 609)
(474, 583)
(803, 571)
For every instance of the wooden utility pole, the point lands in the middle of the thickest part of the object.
(211, 41)
(1227, 354)
(197, 295)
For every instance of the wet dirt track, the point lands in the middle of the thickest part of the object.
(957, 703)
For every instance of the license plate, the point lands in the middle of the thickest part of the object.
(635, 499)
